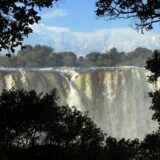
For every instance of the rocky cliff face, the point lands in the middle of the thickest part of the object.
(116, 98)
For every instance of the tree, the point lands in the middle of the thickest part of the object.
(150, 147)
(16, 18)
(122, 149)
(153, 65)
(69, 58)
(31, 122)
(145, 12)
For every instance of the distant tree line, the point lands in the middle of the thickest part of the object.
(45, 56)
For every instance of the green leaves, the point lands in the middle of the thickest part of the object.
(153, 65)
(32, 119)
(145, 13)
(16, 18)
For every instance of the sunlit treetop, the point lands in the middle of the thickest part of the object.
(144, 12)
(16, 18)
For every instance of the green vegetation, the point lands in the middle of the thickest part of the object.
(33, 126)
(16, 20)
(44, 56)
(144, 13)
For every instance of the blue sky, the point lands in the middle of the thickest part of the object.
(72, 25)
(80, 16)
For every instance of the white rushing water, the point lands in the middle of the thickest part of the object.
(116, 98)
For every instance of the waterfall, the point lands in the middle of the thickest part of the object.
(116, 98)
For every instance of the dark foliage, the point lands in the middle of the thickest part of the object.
(16, 18)
(153, 65)
(33, 126)
(120, 149)
(155, 105)
(150, 147)
(146, 13)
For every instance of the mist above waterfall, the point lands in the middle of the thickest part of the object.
(116, 97)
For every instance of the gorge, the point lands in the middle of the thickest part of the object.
(116, 97)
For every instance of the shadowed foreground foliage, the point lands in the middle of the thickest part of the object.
(34, 127)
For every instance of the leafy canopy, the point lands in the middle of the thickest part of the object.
(146, 13)
(29, 119)
(16, 18)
